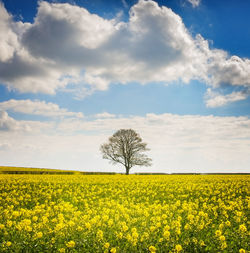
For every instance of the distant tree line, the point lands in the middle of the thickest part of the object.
(56, 172)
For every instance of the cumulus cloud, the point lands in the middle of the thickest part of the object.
(8, 38)
(37, 107)
(67, 45)
(7, 123)
(10, 125)
(222, 69)
(230, 70)
(215, 99)
(105, 115)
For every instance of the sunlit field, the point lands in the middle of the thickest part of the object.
(118, 213)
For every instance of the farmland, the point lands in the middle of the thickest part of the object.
(118, 213)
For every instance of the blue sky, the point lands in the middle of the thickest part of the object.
(80, 70)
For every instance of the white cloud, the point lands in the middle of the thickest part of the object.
(8, 39)
(178, 143)
(10, 125)
(105, 115)
(67, 45)
(7, 123)
(37, 107)
(215, 99)
(230, 70)
(195, 3)
(4, 146)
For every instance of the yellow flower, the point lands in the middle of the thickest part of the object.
(106, 245)
(222, 238)
(178, 231)
(202, 243)
(195, 240)
(167, 227)
(62, 250)
(70, 244)
(242, 251)
(224, 245)
(124, 228)
(164, 216)
(119, 235)
(135, 235)
(110, 222)
(8, 244)
(158, 224)
(9, 223)
(35, 218)
(71, 223)
(239, 214)
(79, 228)
(99, 234)
(242, 228)
(152, 249)
(166, 234)
(88, 225)
(39, 235)
(113, 250)
(133, 230)
(152, 228)
(16, 213)
(59, 226)
(221, 226)
(178, 248)
(218, 233)
(28, 228)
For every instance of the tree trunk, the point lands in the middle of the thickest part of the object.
(127, 170)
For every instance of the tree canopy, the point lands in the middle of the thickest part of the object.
(126, 147)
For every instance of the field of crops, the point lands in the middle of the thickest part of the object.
(23, 170)
(118, 213)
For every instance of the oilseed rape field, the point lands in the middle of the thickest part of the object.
(118, 213)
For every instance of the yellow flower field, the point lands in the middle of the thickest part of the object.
(118, 213)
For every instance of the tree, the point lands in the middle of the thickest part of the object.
(126, 147)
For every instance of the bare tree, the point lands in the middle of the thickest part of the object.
(126, 147)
